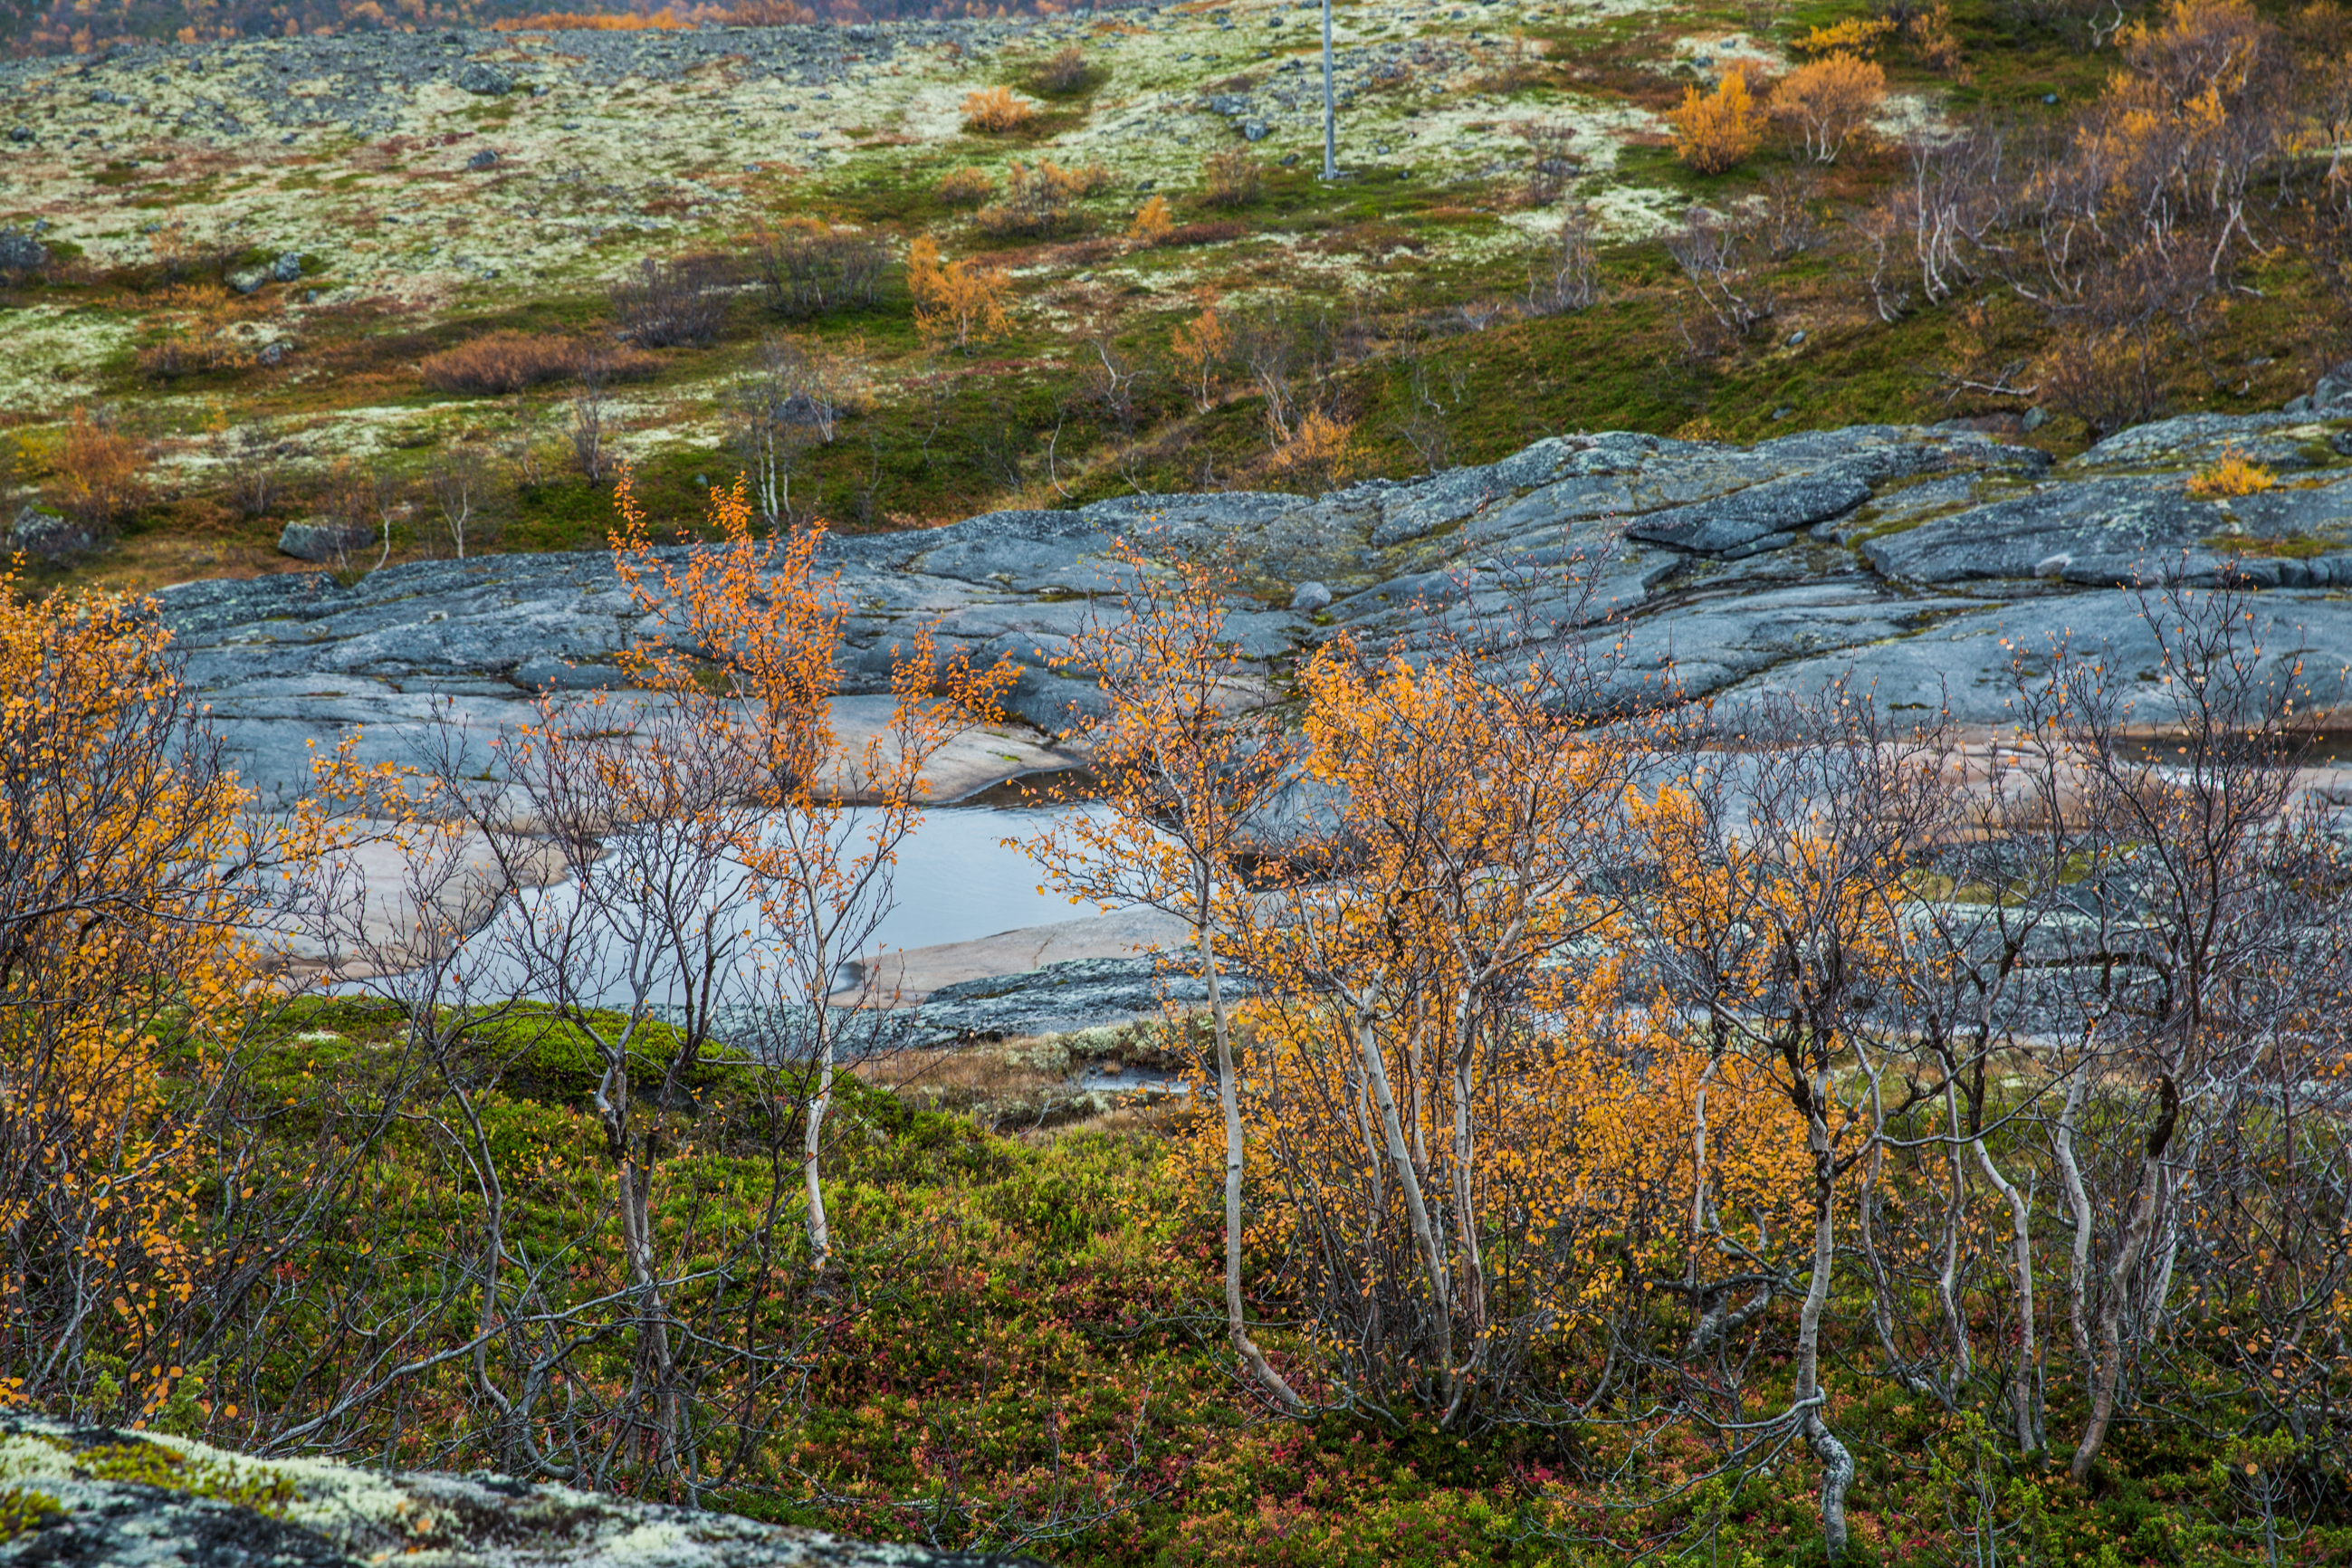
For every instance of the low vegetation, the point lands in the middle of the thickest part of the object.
(516, 361)
(1969, 211)
(1916, 1148)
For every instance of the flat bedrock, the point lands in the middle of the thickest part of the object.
(1920, 564)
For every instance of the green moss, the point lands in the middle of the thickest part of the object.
(148, 1464)
(24, 1511)
(2291, 547)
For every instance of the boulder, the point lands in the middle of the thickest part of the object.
(246, 281)
(1310, 597)
(487, 80)
(95, 1495)
(320, 540)
(47, 536)
(2334, 392)
(20, 252)
(287, 268)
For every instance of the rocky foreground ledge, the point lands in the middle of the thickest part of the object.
(138, 1499)
(1920, 562)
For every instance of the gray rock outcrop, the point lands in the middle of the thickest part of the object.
(45, 536)
(1920, 564)
(20, 252)
(138, 1499)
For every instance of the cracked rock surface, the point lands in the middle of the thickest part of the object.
(1919, 562)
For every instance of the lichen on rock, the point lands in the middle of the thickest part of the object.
(143, 1499)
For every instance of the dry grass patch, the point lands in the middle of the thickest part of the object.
(965, 188)
(995, 109)
(501, 362)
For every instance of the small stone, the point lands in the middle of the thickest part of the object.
(2036, 418)
(1796, 337)
(1253, 130)
(20, 133)
(2052, 566)
(1782, 412)
(1288, 159)
(485, 159)
(249, 279)
(1310, 597)
(317, 540)
(2050, 100)
(287, 268)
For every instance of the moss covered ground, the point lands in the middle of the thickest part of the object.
(1021, 1345)
(1420, 256)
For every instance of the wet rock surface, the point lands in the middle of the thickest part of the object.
(1919, 562)
(137, 1499)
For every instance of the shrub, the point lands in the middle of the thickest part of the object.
(2106, 377)
(1318, 453)
(1930, 32)
(808, 268)
(95, 477)
(1215, 232)
(1153, 224)
(1230, 178)
(1066, 72)
(1552, 159)
(1566, 275)
(669, 304)
(1042, 198)
(2234, 475)
(965, 188)
(1854, 35)
(956, 300)
(200, 324)
(1715, 131)
(995, 108)
(1826, 101)
(1201, 348)
(501, 362)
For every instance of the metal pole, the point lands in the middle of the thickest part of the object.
(1330, 114)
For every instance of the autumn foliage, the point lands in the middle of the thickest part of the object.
(126, 868)
(1824, 102)
(995, 109)
(1153, 222)
(503, 361)
(1715, 131)
(960, 302)
(98, 472)
(2235, 475)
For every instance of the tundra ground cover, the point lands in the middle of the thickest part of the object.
(1826, 1140)
(1399, 304)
